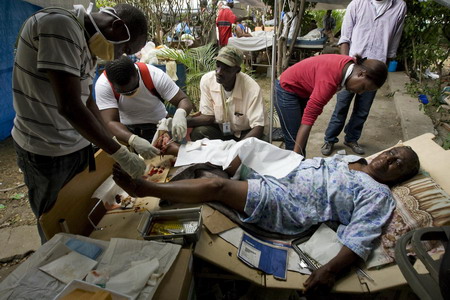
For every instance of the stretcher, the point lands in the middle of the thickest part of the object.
(75, 203)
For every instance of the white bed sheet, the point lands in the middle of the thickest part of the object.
(263, 40)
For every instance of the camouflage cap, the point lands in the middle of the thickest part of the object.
(230, 56)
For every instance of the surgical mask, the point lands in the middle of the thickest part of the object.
(98, 44)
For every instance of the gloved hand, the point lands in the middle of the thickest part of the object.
(143, 147)
(130, 162)
(179, 125)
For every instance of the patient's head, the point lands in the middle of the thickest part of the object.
(394, 165)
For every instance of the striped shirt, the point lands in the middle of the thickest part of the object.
(51, 39)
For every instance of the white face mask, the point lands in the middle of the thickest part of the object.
(98, 44)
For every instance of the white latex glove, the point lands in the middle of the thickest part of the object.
(179, 125)
(143, 147)
(130, 162)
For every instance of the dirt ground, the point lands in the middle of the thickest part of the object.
(15, 209)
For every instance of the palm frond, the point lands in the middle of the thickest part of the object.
(198, 61)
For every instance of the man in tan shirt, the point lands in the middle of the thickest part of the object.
(231, 102)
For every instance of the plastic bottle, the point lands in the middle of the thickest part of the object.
(423, 99)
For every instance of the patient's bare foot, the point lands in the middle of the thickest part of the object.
(122, 179)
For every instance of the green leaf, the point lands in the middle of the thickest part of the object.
(18, 196)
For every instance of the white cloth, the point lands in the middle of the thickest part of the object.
(259, 41)
(264, 158)
(143, 107)
(38, 126)
(263, 39)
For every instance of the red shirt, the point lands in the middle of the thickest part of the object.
(224, 22)
(317, 79)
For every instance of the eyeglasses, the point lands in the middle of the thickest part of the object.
(131, 92)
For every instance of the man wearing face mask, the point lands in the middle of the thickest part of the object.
(56, 118)
(130, 98)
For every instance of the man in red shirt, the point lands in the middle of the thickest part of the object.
(306, 87)
(225, 21)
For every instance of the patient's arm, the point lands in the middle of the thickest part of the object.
(325, 276)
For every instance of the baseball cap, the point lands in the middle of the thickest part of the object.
(230, 56)
(230, 1)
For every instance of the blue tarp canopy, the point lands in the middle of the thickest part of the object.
(12, 14)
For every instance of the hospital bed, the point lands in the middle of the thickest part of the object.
(263, 40)
(70, 214)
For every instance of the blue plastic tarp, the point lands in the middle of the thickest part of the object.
(12, 14)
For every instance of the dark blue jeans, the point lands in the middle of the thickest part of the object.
(46, 175)
(290, 109)
(354, 127)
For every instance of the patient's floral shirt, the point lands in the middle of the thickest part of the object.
(319, 190)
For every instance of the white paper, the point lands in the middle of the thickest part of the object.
(133, 280)
(122, 254)
(108, 190)
(69, 267)
(323, 245)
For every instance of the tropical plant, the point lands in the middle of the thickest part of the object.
(425, 40)
(338, 15)
(164, 15)
(105, 3)
(198, 62)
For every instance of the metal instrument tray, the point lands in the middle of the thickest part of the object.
(180, 226)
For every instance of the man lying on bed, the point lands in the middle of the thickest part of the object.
(346, 189)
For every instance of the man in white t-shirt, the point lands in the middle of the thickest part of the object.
(231, 102)
(132, 111)
(56, 118)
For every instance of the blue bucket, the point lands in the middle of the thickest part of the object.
(392, 66)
